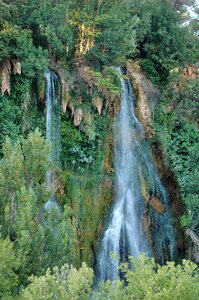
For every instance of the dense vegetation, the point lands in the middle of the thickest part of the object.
(176, 123)
(168, 282)
(81, 41)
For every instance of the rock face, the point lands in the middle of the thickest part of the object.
(98, 103)
(152, 201)
(65, 90)
(191, 71)
(78, 116)
(16, 67)
(5, 73)
(108, 102)
(146, 94)
(156, 204)
(193, 250)
(7, 68)
(64, 94)
(86, 74)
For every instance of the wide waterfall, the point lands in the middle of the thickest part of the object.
(52, 126)
(125, 232)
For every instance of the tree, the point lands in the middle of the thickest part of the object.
(63, 284)
(48, 21)
(176, 125)
(148, 281)
(166, 43)
(8, 268)
(105, 30)
(42, 237)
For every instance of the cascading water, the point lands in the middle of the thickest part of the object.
(125, 235)
(52, 127)
(163, 235)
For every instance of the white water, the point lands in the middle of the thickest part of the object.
(124, 235)
(52, 128)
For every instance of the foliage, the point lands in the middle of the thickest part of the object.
(87, 185)
(48, 22)
(184, 155)
(77, 151)
(176, 126)
(117, 37)
(18, 112)
(100, 31)
(17, 43)
(164, 42)
(146, 281)
(8, 267)
(98, 34)
(109, 80)
(66, 283)
(41, 238)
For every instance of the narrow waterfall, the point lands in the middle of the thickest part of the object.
(125, 235)
(52, 126)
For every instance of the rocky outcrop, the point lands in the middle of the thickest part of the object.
(78, 116)
(66, 83)
(152, 201)
(108, 100)
(16, 67)
(146, 94)
(85, 73)
(191, 71)
(5, 74)
(193, 249)
(7, 68)
(168, 179)
(65, 95)
(156, 204)
(98, 103)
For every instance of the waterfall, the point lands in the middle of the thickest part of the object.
(124, 235)
(52, 127)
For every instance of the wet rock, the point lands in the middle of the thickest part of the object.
(156, 204)
(146, 95)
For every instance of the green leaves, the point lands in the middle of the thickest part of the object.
(118, 34)
(48, 22)
(146, 281)
(175, 122)
(149, 281)
(17, 43)
(36, 153)
(22, 190)
(165, 44)
(8, 267)
(64, 284)
(42, 237)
